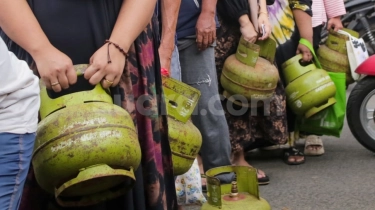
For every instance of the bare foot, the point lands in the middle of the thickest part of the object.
(296, 159)
(239, 160)
(294, 156)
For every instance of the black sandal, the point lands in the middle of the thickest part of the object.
(261, 181)
(264, 180)
(293, 152)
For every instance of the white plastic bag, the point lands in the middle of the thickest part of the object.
(189, 187)
(357, 53)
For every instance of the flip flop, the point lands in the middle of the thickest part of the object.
(292, 152)
(313, 140)
(264, 180)
(261, 181)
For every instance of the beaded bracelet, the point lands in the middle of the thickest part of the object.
(118, 47)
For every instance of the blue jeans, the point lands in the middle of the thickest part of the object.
(199, 71)
(15, 157)
(175, 65)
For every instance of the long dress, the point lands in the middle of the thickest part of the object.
(78, 29)
(251, 130)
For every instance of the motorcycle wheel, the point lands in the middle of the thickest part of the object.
(359, 116)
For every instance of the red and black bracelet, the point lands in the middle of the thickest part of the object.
(118, 47)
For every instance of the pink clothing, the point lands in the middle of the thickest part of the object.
(326, 8)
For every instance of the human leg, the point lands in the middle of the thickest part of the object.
(237, 116)
(203, 175)
(198, 70)
(239, 160)
(15, 157)
(242, 128)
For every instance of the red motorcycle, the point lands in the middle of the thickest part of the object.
(360, 112)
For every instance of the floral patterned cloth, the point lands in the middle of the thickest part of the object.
(189, 187)
(250, 127)
(246, 130)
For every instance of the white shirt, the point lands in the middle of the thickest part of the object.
(19, 94)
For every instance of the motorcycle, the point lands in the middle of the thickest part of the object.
(360, 112)
(360, 16)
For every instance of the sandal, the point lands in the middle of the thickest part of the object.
(293, 152)
(314, 141)
(261, 181)
(264, 180)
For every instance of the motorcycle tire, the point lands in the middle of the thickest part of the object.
(356, 111)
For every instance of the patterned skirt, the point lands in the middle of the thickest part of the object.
(253, 125)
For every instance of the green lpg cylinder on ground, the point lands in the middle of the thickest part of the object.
(333, 54)
(184, 138)
(86, 147)
(247, 77)
(243, 194)
(308, 89)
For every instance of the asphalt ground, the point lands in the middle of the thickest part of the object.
(341, 179)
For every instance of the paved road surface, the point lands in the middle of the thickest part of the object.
(342, 179)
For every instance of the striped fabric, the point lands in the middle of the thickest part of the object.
(326, 8)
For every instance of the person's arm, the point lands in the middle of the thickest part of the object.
(247, 29)
(131, 21)
(169, 16)
(206, 24)
(302, 16)
(233, 11)
(335, 9)
(263, 20)
(19, 24)
(133, 18)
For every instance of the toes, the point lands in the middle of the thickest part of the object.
(299, 159)
(296, 159)
(261, 174)
(292, 159)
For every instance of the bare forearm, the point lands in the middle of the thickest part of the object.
(169, 16)
(131, 21)
(304, 24)
(263, 6)
(20, 24)
(209, 6)
(244, 20)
